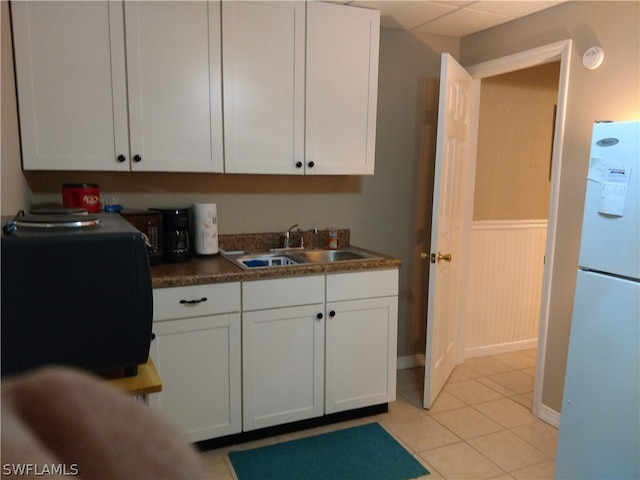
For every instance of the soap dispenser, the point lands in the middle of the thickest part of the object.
(333, 239)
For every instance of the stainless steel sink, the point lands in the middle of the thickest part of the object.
(283, 258)
(330, 256)
(261, 260)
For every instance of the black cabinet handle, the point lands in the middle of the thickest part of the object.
(310, 164)
(153, 336)
(137, 158)
(121, 158)
(193, 302)
(319, 316)
(332, 313)
(298, 164)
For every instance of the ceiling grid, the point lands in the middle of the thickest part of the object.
(455, 18)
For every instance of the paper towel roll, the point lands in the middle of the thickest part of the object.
(205, 228)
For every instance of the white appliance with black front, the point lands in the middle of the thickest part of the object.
(600, 426)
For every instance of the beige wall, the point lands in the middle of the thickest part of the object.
(515, 135)
(610, 92)
(381, 210)
(14, 193)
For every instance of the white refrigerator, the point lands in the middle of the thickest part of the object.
(599, 434)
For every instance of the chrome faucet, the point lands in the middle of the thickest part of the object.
(288, 242)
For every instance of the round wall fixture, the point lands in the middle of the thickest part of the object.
(593, 58)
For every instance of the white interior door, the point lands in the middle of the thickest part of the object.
(453, 192)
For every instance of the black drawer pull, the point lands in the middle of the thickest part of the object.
(332, 313)
(193, 302)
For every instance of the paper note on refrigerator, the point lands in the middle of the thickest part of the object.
(599, 168)
(614, 190)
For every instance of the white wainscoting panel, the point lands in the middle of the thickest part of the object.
(505, 286)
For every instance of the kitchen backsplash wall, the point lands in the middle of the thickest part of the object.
(246, 203)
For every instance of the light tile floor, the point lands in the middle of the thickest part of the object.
(480, 427)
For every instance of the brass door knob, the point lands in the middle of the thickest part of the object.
(436, 257)
(443, 256)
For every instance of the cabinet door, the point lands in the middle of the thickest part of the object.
(198, 360)
(263, 65)
(283, 374)
(342, 88)
(173, 61)
(360, 353)
(70, 72)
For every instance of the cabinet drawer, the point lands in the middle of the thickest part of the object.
(184, 302)
(283, 292)
(346, 286)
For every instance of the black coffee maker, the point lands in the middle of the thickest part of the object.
(175, 233)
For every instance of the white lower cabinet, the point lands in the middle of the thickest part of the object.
(312, 348)
(304, 347)
(196, 351)
(361, 339)
(283, 351)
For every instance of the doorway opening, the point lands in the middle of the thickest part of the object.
(510, 211)
(559, 51)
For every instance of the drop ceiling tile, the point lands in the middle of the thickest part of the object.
(406, 15)
(513, 9)
(457, 3)
(463, 22)
(435, 16)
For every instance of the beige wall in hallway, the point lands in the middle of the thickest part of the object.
(515, 135)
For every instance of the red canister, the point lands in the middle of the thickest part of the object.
(81, 195)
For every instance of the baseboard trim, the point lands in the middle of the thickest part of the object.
(410, 361)
(548, 415)
(259, 434)
(500, 348)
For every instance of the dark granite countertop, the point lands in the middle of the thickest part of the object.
(217, 269)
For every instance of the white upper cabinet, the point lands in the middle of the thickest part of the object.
(72, 104)
(342, 88)
(299, 97)
(72, 64)
(138, 85)
(173, 66)
(263, 72)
